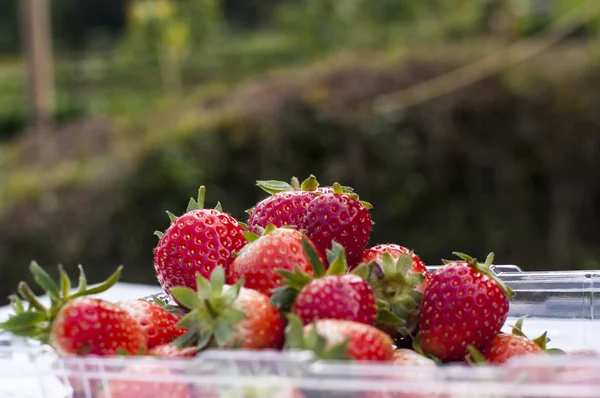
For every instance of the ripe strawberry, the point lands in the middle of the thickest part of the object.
(159, 326)
(407, 357)
(340, 217)
(258, 263)
(198, 241)
(376, 253)
(331, 295)
(397, 288)
(464, 304)
(335, 339)
(508, 345)
(74, 323)
(171, 351)
(287, 205)
(144, 381)
(228, 316)
(88, 326)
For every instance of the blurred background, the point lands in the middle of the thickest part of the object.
(471, 125)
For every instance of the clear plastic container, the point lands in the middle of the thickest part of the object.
(563, 303)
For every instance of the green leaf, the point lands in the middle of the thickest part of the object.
(337, 351)
(385, 316)
(186, 297)
(295, 183)
(542, 341)
(82, 286)
(219, 207)
(223, 332)
(404, 263)
(273, 187)
(366, 205)
(313, 257)
(337, 260)
(192, 205)
(476, 355)
(294, 333)
(23, 322)
(103, 286)
(233, 315)
(314, 341)
(16, 303)
(26, 292)
(296, 279)
(172, 216)
(159, 234)
(65, 282)
(243, 224)
(188, 321)
(202, 286)
(186, 340)
(337, 188)
(389, 267)
(283, 298)
(232, 293)
(555, 351)
(217, 281)
(204, 338)
(310, 184)
(362, 271)
(44, 280)
(518, 328)
(249, 211)
(201, 196)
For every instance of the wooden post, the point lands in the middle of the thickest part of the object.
(37, 44)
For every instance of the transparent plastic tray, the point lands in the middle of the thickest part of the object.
(562, 303)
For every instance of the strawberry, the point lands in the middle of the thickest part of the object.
(287, 205)
(228, 316)
(397, 288)
(376, 253)
(75, 323)
(159, 326)
(339, 216)
(334, 294)
(198, 241)
(257, 264)
(464, 304)
(171, 351)
(335, 339)
(145, 381)
(508, 345)
(407, 357)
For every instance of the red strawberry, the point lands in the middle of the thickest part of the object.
(257, 264)
(171, 351)
(145, 381)
(397, 286)
(464, 304)
(340, 217)
(159, 326)
(407, 357)
(87, 326)
(505, 346)
(376, 254)
(508, 345)
(335, 339)
(287, 205)
(331, 295)
(198, 241)
(75, 324)
(228, 316)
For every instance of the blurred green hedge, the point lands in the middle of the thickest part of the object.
(508, 165)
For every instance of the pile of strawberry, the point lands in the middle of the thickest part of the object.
(300, 275)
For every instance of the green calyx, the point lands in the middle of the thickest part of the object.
(484, 269)
(396, 294)
(213, 316)
(296, 339)
(541, 341)
(273, 186)
(341, 190)
(32, 318)
(284, 297)
(193, 204)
